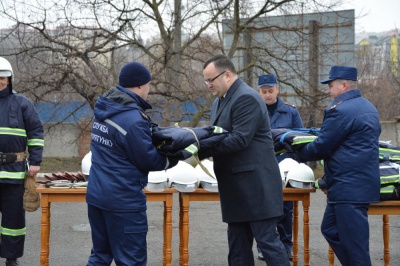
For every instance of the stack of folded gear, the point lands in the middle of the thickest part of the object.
(389, 170)
(206, 176)
(290, 140)
(182, 143)
(183, 177)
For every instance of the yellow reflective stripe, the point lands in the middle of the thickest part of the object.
(390, 179)
(388, 189)
(12, 175)
(12, 131)
(13, 232)
(192, 149)
(303, 139)
(391, 153)
(35, 142)
(217, 130)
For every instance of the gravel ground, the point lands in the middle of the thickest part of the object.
(70, 240)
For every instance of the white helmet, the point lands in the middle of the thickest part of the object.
(6, 71)
(86, 164)
(183, 177)
(285, 166)
(301, 177)
(157, 181)
(206, 176)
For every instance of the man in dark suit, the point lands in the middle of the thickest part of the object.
(249, 181)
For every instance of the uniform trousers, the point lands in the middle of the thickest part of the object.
(345, 227)
(285, 225)
(241, 236)
(13, 228)
(118, 235)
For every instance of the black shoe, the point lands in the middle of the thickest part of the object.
(260, 255)
(12, 262)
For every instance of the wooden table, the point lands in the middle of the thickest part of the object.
(49, 195)
(289, 194)
(384, 208)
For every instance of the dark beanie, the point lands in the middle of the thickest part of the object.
(134, 75)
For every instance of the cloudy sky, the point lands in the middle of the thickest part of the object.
(375, 15)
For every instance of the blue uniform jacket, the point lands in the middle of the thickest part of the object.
(348, 142)
(286, 116)
(122, 152)
(20, 127)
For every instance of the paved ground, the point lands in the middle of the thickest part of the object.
(70, 240)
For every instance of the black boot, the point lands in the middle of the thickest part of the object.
(12, 262)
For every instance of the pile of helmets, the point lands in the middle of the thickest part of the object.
(297, 175)
(184, 177)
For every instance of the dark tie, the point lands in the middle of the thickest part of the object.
(220, 102)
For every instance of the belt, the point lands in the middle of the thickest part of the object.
(11, 157)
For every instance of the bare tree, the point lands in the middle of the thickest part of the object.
(380, 78)
(73, 49)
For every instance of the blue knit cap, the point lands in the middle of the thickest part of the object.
(134, 75)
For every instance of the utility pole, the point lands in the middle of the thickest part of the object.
(313, 69)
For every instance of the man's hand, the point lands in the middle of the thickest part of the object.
(33, 170)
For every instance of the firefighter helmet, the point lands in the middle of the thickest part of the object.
(6, 71)
(302, 176)
(86, 164)
(285, 166)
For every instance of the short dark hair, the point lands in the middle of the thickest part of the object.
(221, 62)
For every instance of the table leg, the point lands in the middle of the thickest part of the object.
(184, 234)
(45, 231)
(167, 232)
(180, 231)
(331, 257)
(306, 231)
(386, 239)
(295, 232)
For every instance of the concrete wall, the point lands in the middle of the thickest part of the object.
(65, 140)
(391, 131)
(70, 140)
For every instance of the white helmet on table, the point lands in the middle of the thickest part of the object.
(285, 166)
(86, 164)
(302, 176)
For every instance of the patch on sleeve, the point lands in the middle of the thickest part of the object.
(144, 115)
(336, 105)
(291, 105)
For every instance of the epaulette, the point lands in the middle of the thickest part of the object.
(291, 105)
(333, 107)
(144, 115)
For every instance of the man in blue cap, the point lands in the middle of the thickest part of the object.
(348, 143)
(281, 115)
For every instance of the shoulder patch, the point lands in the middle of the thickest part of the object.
(336, 105)
(144, 115)
(291, 105)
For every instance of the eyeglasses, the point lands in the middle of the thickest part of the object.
(208, 81)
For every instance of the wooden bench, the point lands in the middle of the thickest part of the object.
(384, 208)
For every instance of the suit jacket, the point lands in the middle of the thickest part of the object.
(249, 180)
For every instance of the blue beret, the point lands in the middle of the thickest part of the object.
(267, 80)
(341, 72)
